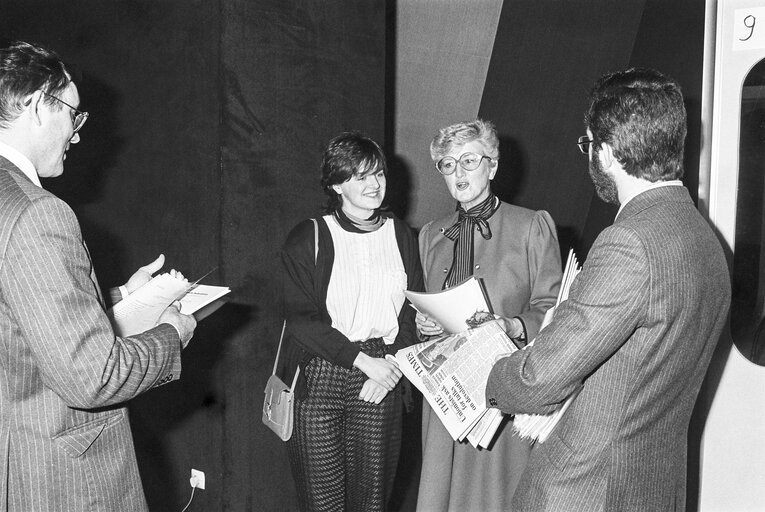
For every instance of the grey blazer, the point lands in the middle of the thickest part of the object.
(65, 440)
(637, 334)
(520, 264)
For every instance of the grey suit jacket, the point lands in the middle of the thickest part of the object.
(65, 440)
(637, 332)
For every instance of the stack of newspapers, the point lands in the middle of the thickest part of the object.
(537, 427)
(451, 372)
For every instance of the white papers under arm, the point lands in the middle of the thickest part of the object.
(539, 426)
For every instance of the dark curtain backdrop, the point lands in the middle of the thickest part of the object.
(207, 121)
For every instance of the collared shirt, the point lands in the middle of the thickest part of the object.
(670, 183)
(20, 161)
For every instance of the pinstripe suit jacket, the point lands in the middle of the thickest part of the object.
(637, 332)
(65, 440)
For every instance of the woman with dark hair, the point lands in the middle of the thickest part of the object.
(515, 252)
(344, 283)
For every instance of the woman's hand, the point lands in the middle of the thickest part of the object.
(384, 372)
(427, 326)
(373, 392)
(512, 326)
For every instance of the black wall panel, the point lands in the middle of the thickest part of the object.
(547, 54)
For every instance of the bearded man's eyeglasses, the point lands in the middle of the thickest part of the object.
(78, 117)
(584, 144)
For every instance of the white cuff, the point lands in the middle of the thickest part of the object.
(123, 291)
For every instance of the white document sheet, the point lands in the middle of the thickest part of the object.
(453, 306)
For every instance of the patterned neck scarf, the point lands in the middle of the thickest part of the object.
(356, 225)
(462, 233)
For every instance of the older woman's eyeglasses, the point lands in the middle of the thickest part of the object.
(584, 144)
(469, 161)
(78, 117)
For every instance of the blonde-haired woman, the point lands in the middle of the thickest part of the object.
(515, 252)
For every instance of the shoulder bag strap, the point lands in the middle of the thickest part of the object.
(315, 240)
(284, 325)
(278, 350)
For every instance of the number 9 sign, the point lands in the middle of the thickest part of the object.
(748, 29)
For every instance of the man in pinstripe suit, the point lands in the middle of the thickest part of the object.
(640, 324)
(65, 440)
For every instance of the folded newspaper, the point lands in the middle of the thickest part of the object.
(451, 372)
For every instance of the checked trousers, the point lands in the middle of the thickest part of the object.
(343, 451)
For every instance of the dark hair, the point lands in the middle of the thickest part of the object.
(24, 69)
(347, 155)
(640, 114)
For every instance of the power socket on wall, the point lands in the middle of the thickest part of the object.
(197, 479)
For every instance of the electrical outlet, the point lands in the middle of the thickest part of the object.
(197, 479)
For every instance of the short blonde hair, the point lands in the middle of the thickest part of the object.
(463, 133)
